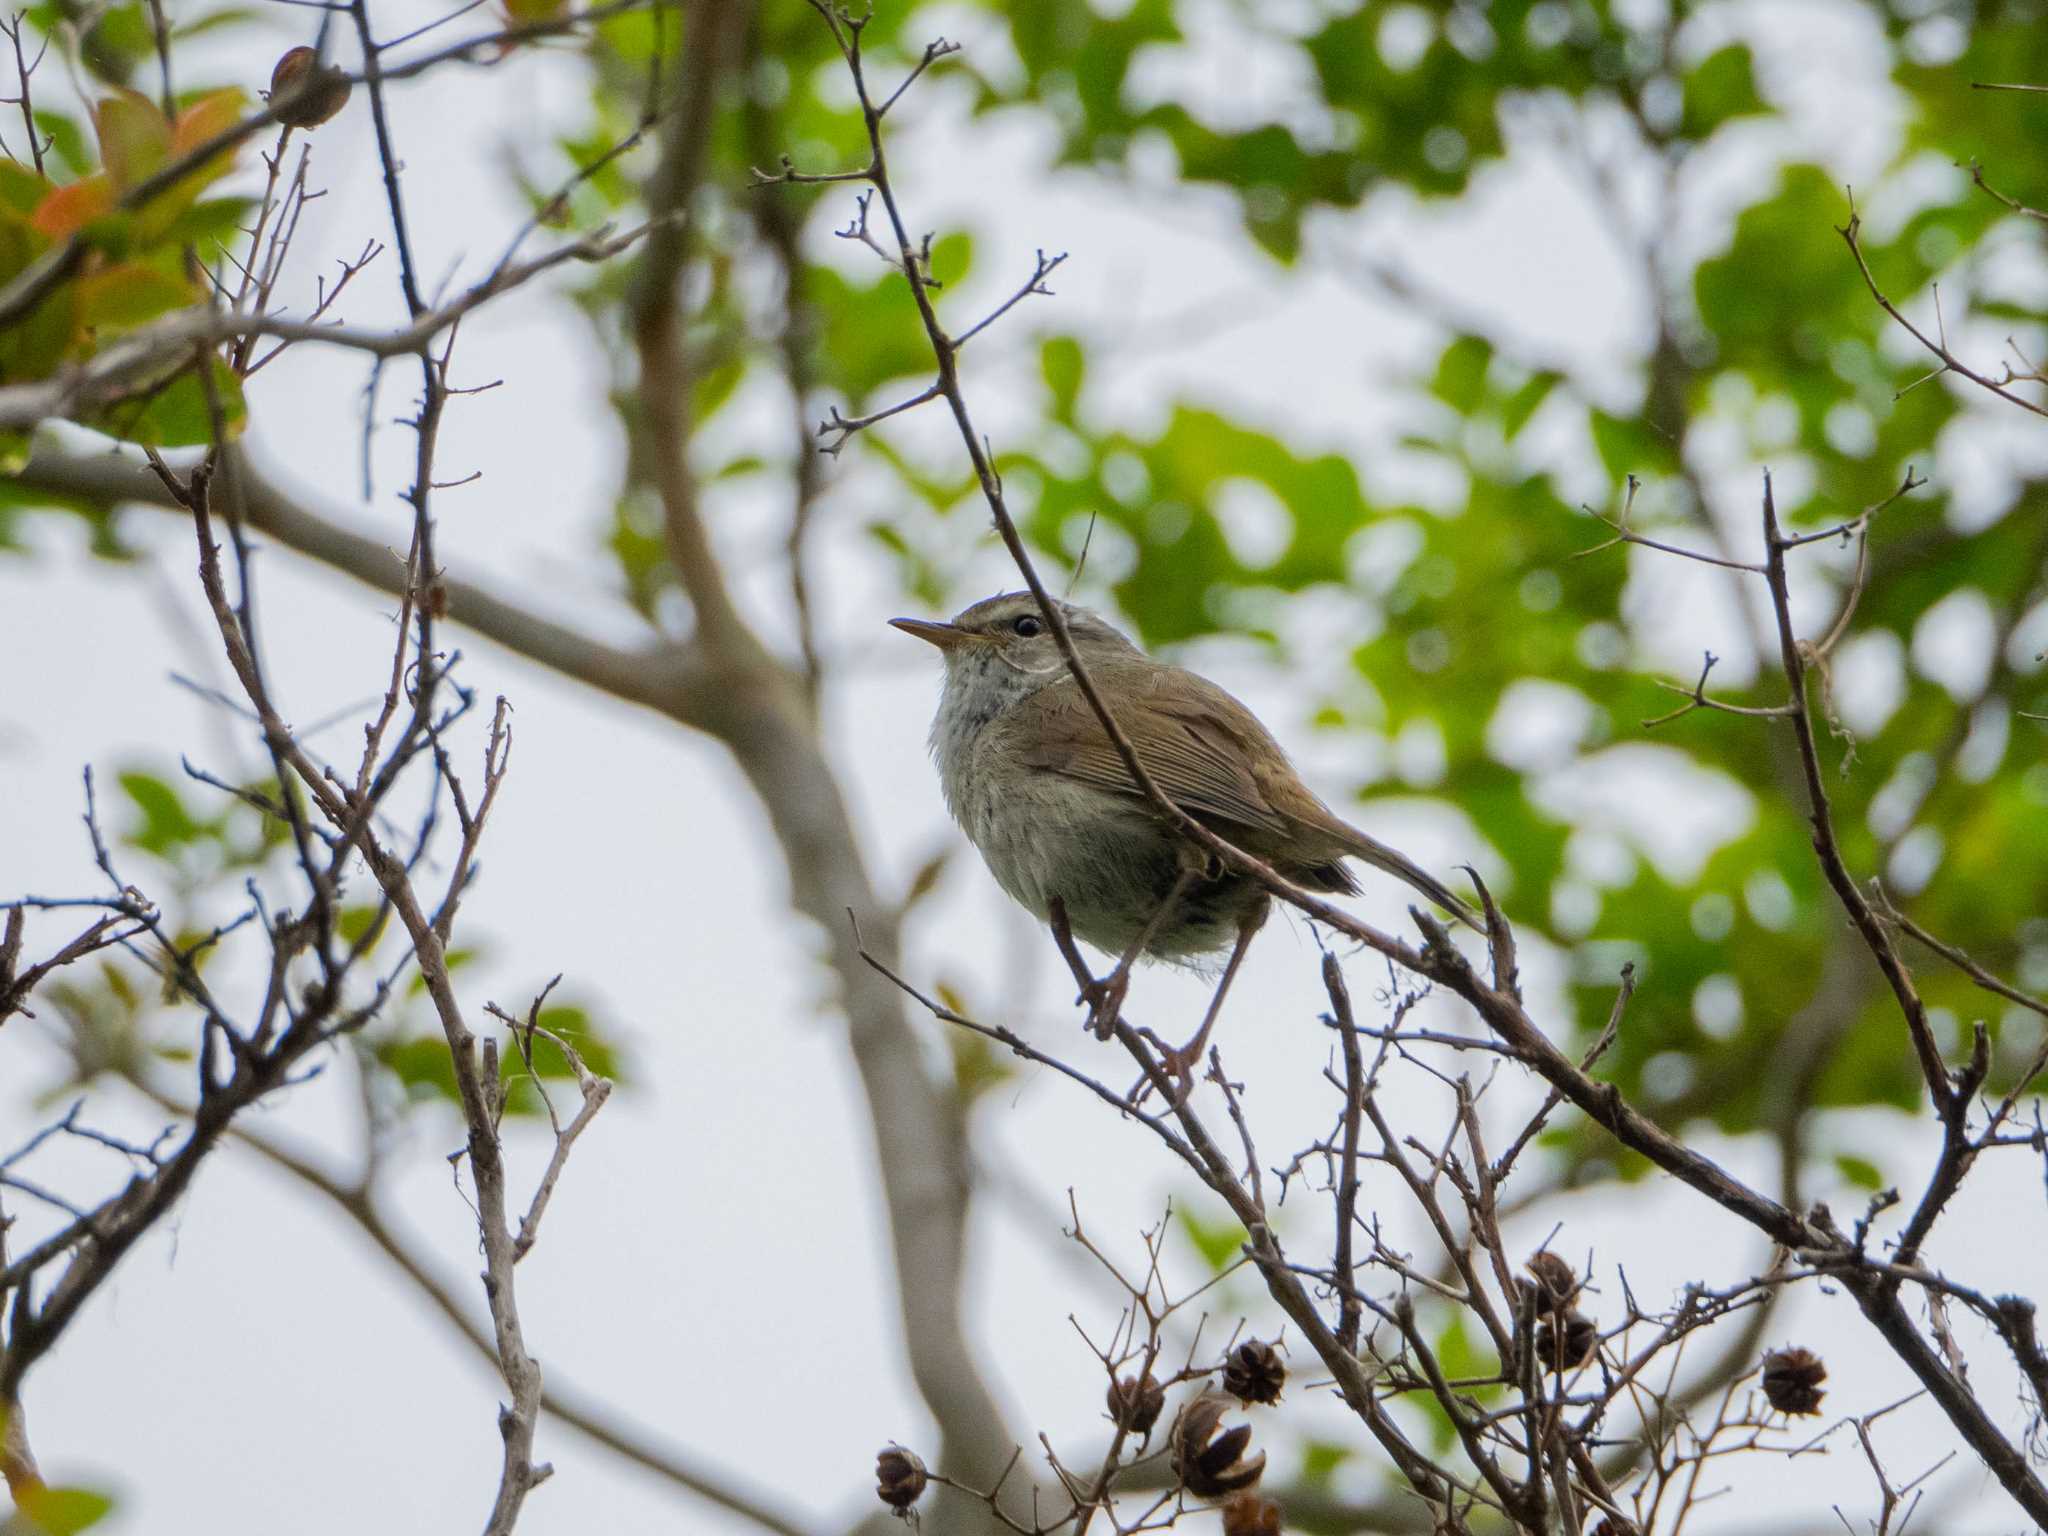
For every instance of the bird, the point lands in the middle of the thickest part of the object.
(1039, 788)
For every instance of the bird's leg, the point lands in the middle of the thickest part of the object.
(1105, 996)
(1180, 1065)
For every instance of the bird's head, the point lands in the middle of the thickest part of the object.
(1008, 632)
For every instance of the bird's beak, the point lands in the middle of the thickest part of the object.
(944, 636)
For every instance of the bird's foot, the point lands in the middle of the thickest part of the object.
(1104, 996)
(1176, 1067)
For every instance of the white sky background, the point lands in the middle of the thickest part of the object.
(715, 1263)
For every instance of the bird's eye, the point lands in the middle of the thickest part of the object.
(1027, 625)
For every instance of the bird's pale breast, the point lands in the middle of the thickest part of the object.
(1105, 855)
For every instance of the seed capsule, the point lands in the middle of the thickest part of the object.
(1566, 1342)
(1792, 1379)
(1211, 1464)
(306, 92)
(1246, 1514)
(1556, 1284)
(899, 1477)
(1254, 1373)
(1135, 1403)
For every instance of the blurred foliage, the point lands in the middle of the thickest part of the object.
(142, 246)
(1477, 607)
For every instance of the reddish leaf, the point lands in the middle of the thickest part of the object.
(67, 210)
(208, 118)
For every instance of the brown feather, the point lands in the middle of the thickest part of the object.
(1212, 758)
(1196, 741)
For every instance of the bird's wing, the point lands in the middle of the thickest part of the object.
(1195, 741)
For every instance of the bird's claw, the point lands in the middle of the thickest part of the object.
(1176, 1066)
(1105, 999)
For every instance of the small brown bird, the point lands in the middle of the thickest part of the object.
(1038, 786)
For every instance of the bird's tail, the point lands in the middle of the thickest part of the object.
(1380, 856)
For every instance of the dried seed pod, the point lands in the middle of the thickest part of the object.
(1211, 1464)
(1792, 1379)
(899, 1477)
(307, 92)
(1614, 1525)
(1567, 1342)
(1246, 1514)
(1254, 1372)
(1556, 1285)
(1135, 1403)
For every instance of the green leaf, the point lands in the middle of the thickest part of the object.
(62, 1511)
(355, 922)
(135, 139)
(978, 1066)
(1786, 290)
(120, 39)
(67, 142)
(129, 294)
(21, 189)
(573, 1024)
(1526, 401)
(716, 385)
(1721, 86)
(1220, 1244)
(1460, 380)
(641, 553)
(1061, 361)
(210, 221)
(422, 1066)
(952, 256)
(166, 824)
(1859, 1171)
(20, 244)
(1460, 1357)
(14, 451)
(177, 413)
(213, 21)
(1627, 445)
(636, 36)
(452, 960)
(1320, 1460)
